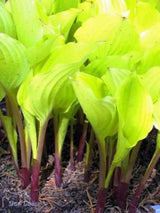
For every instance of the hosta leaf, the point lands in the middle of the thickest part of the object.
(115, 34)
(48, 5)
(135, 109)
(13, 62)
(62, 130)
(69, 53)
(130, 4)
(111, 6)
(48, 86)
(88, 10)
(41, 50)
(11, 134)
(106, 24)
(114, 78)
(28, 26)
(30, 121)
(152, 2)
(156, 114)
(6, 22)
(151, 58)
(150, 37)
(64, 20)
(30, 128)
(61, 5)
(151, 80)
(99, 109)
(145, 16)
(98, 66)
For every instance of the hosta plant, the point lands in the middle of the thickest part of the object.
(99, 59)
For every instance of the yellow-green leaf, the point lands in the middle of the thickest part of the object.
(6, 22)
(135, 110)
(28, 26)
(13, 62)
(100, 109)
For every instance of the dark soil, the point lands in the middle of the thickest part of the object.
(75, 196)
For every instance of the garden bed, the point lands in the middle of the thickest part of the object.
(75, 195)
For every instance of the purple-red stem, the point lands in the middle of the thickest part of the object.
(14, 110)
(35, 181)
(58, 172)
(72, 163)
(120, 189)
(25, 177)
(134, 203)
(82, 143)
(120, 194)
(102, 195)
(37, 162)
(87, 175)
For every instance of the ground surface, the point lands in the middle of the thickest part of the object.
(75, 196)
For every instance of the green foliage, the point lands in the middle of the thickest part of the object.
(28, 26)
(63, 21)
(11, 134)
(135, 109)
(61, 5)
(102, 115)
(13, 64)
(6, 22)
(111, 69)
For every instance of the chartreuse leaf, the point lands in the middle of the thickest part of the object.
(28, 26)
(130, 4)
(150, 37)
(64, 20)
(62, 126)
(56, 92)
(48, 5)
(156, 114)
(6, 22)
(11, 134)
(88, 10)
(115, 34)
(48, 85)
(41, 50)
(13, 64)
(106, 24)
(111, 6)
(152, 2)
(30, 120)
(30, 128)
(151, 58)
(145, 16)
(135, 110)
(99, 108)
(62, 5)
(114, 78)
(69, 53)
(151, 79)
(98, 67)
